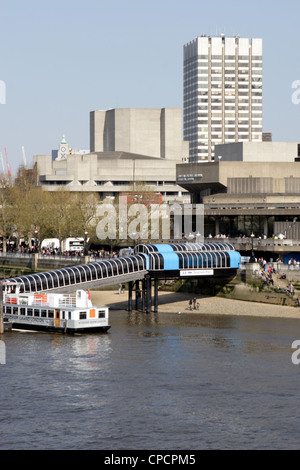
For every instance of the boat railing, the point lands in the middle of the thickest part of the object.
(67, 300)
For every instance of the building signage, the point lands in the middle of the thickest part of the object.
(197, 272)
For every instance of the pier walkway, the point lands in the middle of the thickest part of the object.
(148, 264)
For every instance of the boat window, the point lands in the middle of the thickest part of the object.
(50, 313)
(36, 312)
(101, 313)
(69, 315)
(8, 310)
(44, 313)
(82, 315)
(29, 312)
(15, 311)
(22, 311)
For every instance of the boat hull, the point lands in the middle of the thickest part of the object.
(53, 329)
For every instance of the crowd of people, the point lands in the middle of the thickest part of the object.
(267, 276)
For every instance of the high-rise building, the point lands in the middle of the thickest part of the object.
(222, 93)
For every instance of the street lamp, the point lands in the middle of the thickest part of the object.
(252, 259)
(85, 244)
(133, 237)
(36, 241)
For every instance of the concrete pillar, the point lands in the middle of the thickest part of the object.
(217, 226)
(148, 294)
(266, 226)
(34, 261)
(137, 292)
(155, 295)
(129, 308)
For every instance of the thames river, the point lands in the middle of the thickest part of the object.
(157, 381)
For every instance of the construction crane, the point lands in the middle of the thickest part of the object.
(7, 164)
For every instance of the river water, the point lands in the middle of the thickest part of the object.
(158, 381)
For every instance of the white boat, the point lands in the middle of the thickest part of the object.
(52, 311)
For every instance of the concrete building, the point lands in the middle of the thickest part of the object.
(128, 147)
(266, 151)
(149, 132)
(222, 93)
(252, 188)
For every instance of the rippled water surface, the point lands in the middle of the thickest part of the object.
(163, 382)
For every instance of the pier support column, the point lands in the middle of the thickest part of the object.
(130, 288)
(148, 294)
(155, 295)
(143, 294)
(137, 294)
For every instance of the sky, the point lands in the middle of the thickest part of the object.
(59, 60)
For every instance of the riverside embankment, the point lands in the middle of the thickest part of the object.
(248, 286)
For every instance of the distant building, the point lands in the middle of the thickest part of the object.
(129, 147)
(222, 93)
(251, 187)
(148, 132)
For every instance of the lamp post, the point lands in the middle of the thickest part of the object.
(133, 237)
(36, 241)
(252, 258)
(85, 244)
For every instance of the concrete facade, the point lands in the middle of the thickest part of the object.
(130, 147)
(247, 190)
(258, 152)
(149, 132)
(222, 179)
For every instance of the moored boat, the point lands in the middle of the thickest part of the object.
(53, 312)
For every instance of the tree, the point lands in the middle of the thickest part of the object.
(7, 216)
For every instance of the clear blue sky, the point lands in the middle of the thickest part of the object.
(62, 59)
